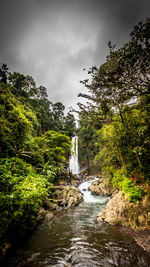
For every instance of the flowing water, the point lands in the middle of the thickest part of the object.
(74, 162)
(74, 239)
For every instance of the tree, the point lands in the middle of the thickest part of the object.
(125, 76)
(23, 86)
(52, 147)
(90, 120)
(17, 122)
(120, 88)
(58, 116)
(3, 73)
(42, 92)
(69, 125)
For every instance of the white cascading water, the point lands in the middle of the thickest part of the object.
(74, 162)
(88, 197)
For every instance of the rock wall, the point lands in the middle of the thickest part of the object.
(114, 210)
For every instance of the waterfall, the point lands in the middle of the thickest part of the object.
(74, 162)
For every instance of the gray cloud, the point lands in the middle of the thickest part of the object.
(53, 40)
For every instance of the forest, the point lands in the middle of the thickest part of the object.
(114, 126)
(34, 148)
(113, 131)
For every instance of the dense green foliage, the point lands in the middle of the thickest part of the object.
(22, 190)
(122, 181)
(34, 147)
(90, 122)
(119, 94)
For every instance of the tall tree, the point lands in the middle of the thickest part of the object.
(121, 89)
(4, 73)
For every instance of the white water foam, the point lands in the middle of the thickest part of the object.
(88, 197)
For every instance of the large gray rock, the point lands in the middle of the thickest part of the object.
(114, 211)
(101, 187)
(72, 195)
(65, 196)
(75, 182)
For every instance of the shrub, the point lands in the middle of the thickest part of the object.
(22, 191)
(12, 171)
(124, 183)
(135, 193)
(118, 178)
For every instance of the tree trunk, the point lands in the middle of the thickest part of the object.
(88, 164)
(88, 159)
(138, 160)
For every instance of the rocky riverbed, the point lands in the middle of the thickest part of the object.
(64, 195)
(134, 217)
(73, 238)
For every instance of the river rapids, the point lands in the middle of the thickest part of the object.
(73, 238)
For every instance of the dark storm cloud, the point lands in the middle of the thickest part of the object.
(53, 40)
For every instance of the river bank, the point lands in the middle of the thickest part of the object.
(63, 195)
(72, 238)
(132, 217)
(59, 209)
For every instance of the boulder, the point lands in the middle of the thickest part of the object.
(114, 211)
(72, 195)
(63, 197)
(41, 214)
(57, 194)
(101, 187)
(75, 182)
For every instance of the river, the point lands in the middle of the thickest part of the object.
(73, 238)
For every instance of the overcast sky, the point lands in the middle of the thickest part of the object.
(53, 40)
